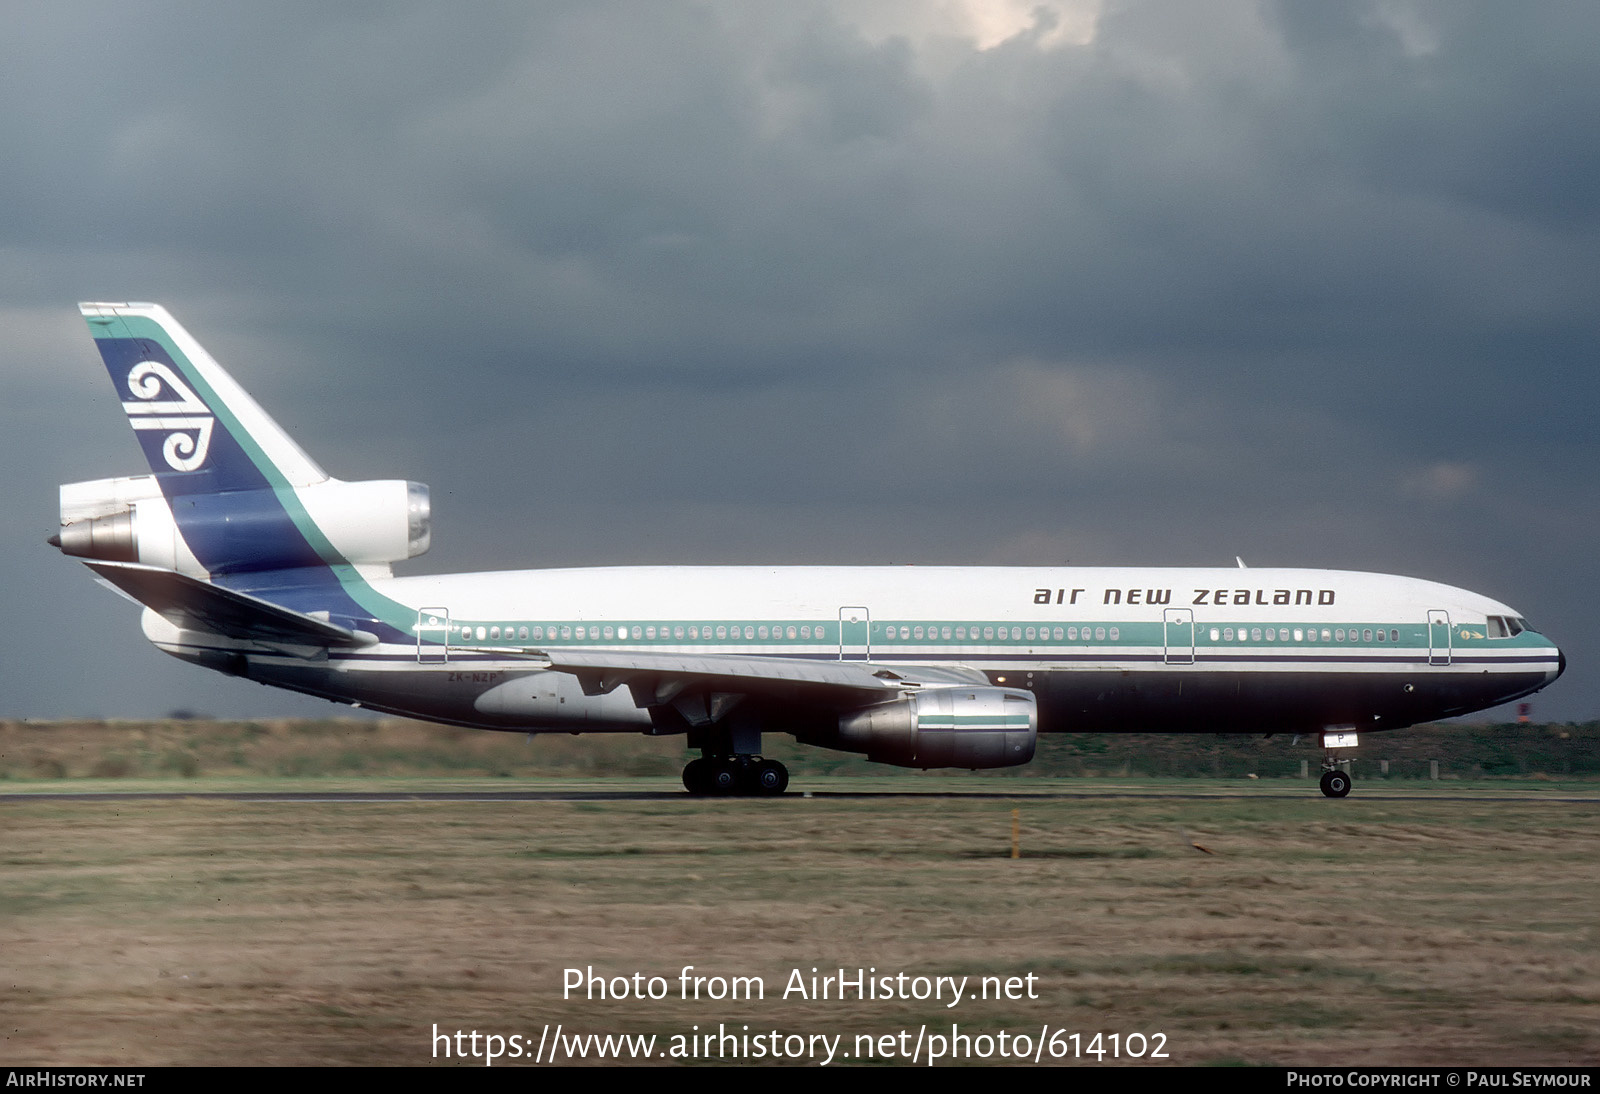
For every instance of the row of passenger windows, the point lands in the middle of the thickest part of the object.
(819, 633)
(777, 632)
(1309, 634)
(1002, 634)
(594, 633)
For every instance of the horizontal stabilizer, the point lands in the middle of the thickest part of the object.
(198, 605)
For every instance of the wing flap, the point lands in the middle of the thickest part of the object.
(198, 605)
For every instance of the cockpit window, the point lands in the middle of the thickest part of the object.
(1506, 626)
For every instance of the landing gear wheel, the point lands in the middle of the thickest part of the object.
(1335, 784)
(771, 778)
(725, 777)
(697, 776)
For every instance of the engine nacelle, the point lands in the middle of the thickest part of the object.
(130, 520)
(944, 727)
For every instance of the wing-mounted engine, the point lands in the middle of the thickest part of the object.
(197, 533)
(940, 727)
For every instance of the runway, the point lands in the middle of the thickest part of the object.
(354, 797)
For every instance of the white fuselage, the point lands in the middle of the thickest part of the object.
(1101, 648)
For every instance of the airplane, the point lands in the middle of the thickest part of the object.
(250, 560)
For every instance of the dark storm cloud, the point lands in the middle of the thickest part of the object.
(1152, 282)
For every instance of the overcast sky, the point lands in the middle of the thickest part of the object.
(977, 281)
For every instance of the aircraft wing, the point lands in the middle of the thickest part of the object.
(602, 670)
(198, 605)
(687, 680)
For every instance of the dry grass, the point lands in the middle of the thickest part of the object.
(1338, 933)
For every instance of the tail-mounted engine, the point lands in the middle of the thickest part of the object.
(942, 727)
(130, 520)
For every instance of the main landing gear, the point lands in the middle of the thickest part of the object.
(727, 776)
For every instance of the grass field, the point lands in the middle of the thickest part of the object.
(1363, 931)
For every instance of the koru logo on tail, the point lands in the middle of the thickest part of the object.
(184, 415)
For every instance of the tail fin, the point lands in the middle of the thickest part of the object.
(201, 432)
(230, 493)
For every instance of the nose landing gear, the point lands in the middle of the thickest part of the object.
(1336, 779)
(1335, 783)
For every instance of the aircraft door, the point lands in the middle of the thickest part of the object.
(1179, 627)
(1438, 637)
(433, 635)
(855, 634)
